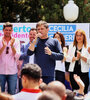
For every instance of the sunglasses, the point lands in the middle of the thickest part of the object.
(7, 50)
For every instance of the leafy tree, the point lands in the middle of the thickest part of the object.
(9, 10)
(52, 10)
(86, 13)
(35, 10)
(28, 11)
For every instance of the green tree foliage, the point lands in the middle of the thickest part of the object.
(86, 13)
(28, 10)
(35, 10)
(9, 10)
(51, 10)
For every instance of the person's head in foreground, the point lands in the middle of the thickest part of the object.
(49, 95)
(31, 80)
(58, 88)
(43, 86)
(31, 76)
(70, 95)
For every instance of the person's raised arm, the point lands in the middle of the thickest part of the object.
(4, 45)
(32, 45)
(12, 47)
(81, 57)
(58, 54)
(80, 84)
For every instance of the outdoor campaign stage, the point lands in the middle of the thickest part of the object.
(21, 30)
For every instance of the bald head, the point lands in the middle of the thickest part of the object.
(57, 87)
(49, 95)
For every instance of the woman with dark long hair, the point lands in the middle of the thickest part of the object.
(60, 65)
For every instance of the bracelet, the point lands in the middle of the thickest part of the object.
(79, 94)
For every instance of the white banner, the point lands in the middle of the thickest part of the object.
(21, 30)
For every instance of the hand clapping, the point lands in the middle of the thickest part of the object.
(3, 42)
(12, 41)
(78, 55)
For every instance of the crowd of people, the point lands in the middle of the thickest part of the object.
(46, 68)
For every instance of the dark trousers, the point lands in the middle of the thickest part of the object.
(20, 84)
(60, 76)
(84, 77)
(47, 79)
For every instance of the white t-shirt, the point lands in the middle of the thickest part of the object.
(60, 66)
(27, 94)
(31, 59)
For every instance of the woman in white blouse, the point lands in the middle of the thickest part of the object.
(78, 57)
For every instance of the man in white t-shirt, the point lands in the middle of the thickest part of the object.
(31, 79)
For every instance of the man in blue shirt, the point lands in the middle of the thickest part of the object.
(24, 57)
(46, 51)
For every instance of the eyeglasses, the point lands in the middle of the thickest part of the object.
(79, 35)
(7, 50)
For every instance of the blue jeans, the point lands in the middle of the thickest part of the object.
(11, 83)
